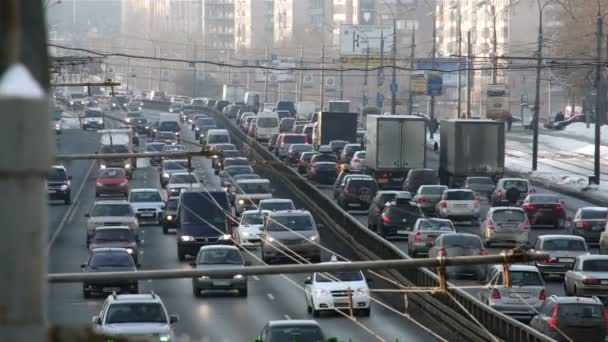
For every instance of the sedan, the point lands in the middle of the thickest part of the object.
(460, 244)
(305, 158)
(590, 223)
(116, 237)
(111, 181)
(398, 217)
(428, 196)
(219, 257)
(482, 186)
(459, 204)
(323, 172)
(109, 260)
(562, 251)
(425, 232)
(545, 210)
(357, 163)
(505, 225)
(588, 277)
(295, 150)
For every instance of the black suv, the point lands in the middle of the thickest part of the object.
(417, 177)
(399, 217)
(59, 184)
(357, 191)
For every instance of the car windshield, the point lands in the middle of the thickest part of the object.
(356, 184)
(294, 139)
(520, 185)
(327, 277)
(252, 218)
(145, 196)
(215, 256)
(508, 215)
(276, 206)
(301, 147)
(135, 115)
(218, 138)
(225, 147)
(564, 245)
(77, 96)
(267, 122)
(285, 223)
(238, 170)
(136, 313)
(110, 259)
(523, 278)
(432, 190)
(308, 156)
(572, 311)
(92, 114)
(109, 235)
(360, 155)
(165, 135)
(543, 199)
(114, 149)
(595, 265)
(296, 333)
(466, 241)
(325, 157)
(594, 214)
(338, 144)
(460, 196)
(243, 177)
(235, 161)
(205, 122)
(111, 173)
(183, 179)
(173, 148)
(435, 225)
(172, 126)
(480, 181)
(56, 174)
(232, 154)
(175, 165)
(254, 188)
(112, 210)
(172, 204)
(154, 147)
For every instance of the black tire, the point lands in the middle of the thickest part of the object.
(566, 292)
(315, 313)
(165, 230)
(180, 255)
(136, 291)
(243, 292)
(86, 294)
(366, 312)
(96, 194)
(67, 200)
(308, 309)
(196, 292)
(412, 253)
(380, 231)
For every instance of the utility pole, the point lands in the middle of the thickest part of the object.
(598, 101)
(432, 109)
(365, 79)
(469, 53)
(229, 69)
(160, 70)
(380, 81)
(266, 77)
(459, 82)
(394, 81)
(322, 86)
(539, 61)
(494, 46)
(410, 104)
(194, 74)
(341, 84)
(301, 80)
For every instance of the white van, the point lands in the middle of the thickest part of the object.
(267, 124)
(217, 136)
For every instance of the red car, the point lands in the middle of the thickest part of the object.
(545, 209)
(111, 181)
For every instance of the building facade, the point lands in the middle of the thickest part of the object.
(307, 22)
(253, 24)
(218, 24)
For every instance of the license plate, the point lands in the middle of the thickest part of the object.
(460, 205)
(519, 295)
(566, 259)
(401, 231)
(221, 283)
(111, 289)
(52, 191)
(146, 214)
(604, 282)
(398, 179)
(598, 228)
(382, 180)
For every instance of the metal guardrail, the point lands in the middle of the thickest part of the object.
(439, 306)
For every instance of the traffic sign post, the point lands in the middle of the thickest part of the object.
(434, 84)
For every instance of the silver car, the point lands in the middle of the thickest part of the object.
(428, 196)
(287, 233)
(171, 166)
(588, 277)
(425, 232)
(505, 225)
(214, 257)
(111, 213)
(562, 251)
(523, 299)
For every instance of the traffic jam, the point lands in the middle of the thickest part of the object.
(376, 168)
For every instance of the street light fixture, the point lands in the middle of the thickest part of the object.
(50, 4)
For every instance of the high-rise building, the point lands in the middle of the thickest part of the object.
(253, 24)
(218, 24)
(307, 22)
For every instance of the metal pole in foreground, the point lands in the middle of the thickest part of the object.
(394, 82)
(539, 60)
(410, 104)
(469, 53)
(266, 77)
(598, 102)
(432, 109)
(322, 90)
(459, 82)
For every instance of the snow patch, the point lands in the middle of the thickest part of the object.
(17, 82)
(579, 129)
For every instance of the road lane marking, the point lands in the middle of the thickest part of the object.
(73, 212)
(287, 317)
(72, 206)
(270, 296)
(255, 277)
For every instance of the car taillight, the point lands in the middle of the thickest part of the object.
(355, 160)
(418, 237)
(495, 294)
(124, 183)
(484, 252)
(378, 211)
(386, 219)
(606, 317)
(591, 281)
(499, 194)
(553, 321)
(542, 295)
(550, 260)
(526, 225)
(422, 200)
(99, 184)
(581, 224)
(477, 204)
(559, 207)
(385, 175)
(530, 207)
(441, 252)
(444, 204)
(293, 154)
(490, 224)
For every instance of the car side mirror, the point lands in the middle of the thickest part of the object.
(369, 280)
(83, 265)
(533, 191)
(217, 171)
(173, 319)
(69, 177)
(96, 320)
(138, 265)
(308, 281)
(258, 339)
(247, 263)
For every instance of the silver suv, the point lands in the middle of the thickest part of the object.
(141, 316)
(289, 233)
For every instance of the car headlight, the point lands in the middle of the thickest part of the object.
(130, 250)
(187, 238)
(271, 239)
(103, 166)
(128, 120)
(127, 166)
(147, 127)
(322, 292)
(314, 238)
(190, 120)
(245, 233)
(177, 133)
(71, 103)
(57, 126)
(169, 217)
(165, 338)
(238, 276)
(113, 104)
(197, 129)
(225, 237)
(139, 108)
(363, 291)
(166, 175)
(101, 121)
(63, 187)
(170, 110)
(203, 277)
(241, 202)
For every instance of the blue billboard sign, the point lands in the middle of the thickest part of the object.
(448, 68)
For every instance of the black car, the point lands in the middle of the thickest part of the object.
(168, 217)
(59, 185)
(348, 152)
(337, 146)
(141, 126)
(272, 142)
(221, 104)
(339, 183)
(109, 260)
(237, 161)
(417, 177)
(323, 172)
(216, 163)
(203, 124)
(377, 206)
(589, 223)
(305, 158)
(358, 191)
(202, 220)
(116, 237)
(286, 106)
(399, 216)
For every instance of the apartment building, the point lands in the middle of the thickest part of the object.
(253, 24)
(309, 22)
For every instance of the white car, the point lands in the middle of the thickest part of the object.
(182, 180)
(276, 204)
(250, 192)
(358, 161)
(147, 204)
(135, 316)
(458, 204)
(328, 291)
(249, 229)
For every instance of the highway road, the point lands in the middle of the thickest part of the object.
(212, 318)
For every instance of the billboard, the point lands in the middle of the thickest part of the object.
(367, 12)
(357, 40)
(448, 68)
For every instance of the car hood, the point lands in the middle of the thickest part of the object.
(183, 185)
(482, 187)
(341, 285)
(111, 269)
(296, 235)
(253, 196)
(96, 219)
(252, 228)
(145, 205)
(207, 267)
(114, 244)
(136, 329)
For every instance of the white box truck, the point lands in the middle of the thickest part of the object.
(114, 141)
(233, 93)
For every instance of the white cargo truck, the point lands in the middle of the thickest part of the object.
(114, 141)
(233, 93)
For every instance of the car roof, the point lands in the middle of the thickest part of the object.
(593, 257)
(112, 228)
(459, 190)
(560, 236)
(358, 176)
(175, 161)
(182, 173)
(112, 202)
(109, 250)
(576, 300)
(593, 209)
(217, 130)
(256, 211)
(58, 167)
(293, 322)
(493, 209)
(436, 219)
(145, 190)
(514, 179)
(208, 247)
(297, 212)
(135, 298)
(389, 192)
(253, 181)
(276, 200)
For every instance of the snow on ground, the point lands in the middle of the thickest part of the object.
(579, 129)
